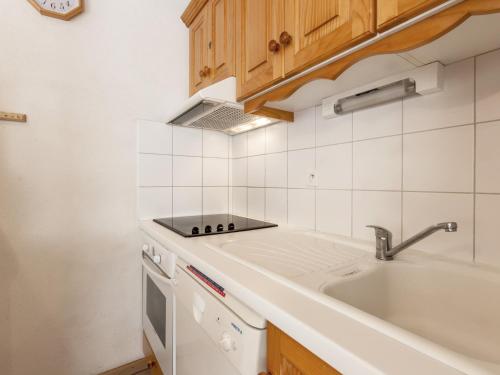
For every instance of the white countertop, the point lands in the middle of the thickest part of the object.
(332, 330)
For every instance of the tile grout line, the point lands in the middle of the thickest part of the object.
(172, 172)
(402, 168)
(202, 173)
(352, 175)
(475, 166)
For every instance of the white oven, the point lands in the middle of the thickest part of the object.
(193, 325)
(158, 303)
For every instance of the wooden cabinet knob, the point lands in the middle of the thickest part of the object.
(274, 46)
(205, 72)
(285, 38)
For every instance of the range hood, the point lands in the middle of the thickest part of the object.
(215, 108)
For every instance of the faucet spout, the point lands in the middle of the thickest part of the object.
(384, 249)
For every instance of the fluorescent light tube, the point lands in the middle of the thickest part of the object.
(379, 95)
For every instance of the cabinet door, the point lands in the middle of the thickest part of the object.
(258, 23)
(285, 356)
(317, 29)
(199, 71)
(392, 12)
(221, 43)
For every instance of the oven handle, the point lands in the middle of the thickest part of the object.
(161, 276)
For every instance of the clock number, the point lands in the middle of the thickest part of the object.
(53, 5)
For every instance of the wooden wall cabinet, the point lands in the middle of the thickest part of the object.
(317, 29)
(259, 56)
(278, 38)
(393, 12)
(285, 356)
(211, 41)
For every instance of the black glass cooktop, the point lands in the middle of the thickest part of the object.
(194, 226)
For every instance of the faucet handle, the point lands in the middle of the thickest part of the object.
(380, 231)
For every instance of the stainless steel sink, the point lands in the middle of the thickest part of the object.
(456, 307)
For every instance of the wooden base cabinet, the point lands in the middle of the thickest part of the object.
(285, 356)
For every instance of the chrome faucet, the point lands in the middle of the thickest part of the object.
(385, 251)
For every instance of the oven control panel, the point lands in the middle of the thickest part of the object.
(162, 257)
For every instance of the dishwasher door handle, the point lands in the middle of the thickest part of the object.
(161, 276)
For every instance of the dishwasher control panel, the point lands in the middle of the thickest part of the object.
(242, 344)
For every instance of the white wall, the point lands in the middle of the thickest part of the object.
(181, 171)
(69, 274)
(404, 165)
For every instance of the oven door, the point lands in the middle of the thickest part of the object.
(158, 313)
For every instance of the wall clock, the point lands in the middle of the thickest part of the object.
(62, 9)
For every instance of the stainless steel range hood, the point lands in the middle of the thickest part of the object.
(215, 108)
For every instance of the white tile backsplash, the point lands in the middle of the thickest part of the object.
(450, 107)
(187, 201)
(187, 171)
(300, 165)
(276, 205)
(187, 141)
(421, 210)
(301, 208)
(487, 247)
(215, 172)
(239, 145)
(488, 87)
(333, 211)
(377, 164)
(488, 157)
(333, 131)
(239, 172)
(301, 134)
(257, 203)
(276, 137)
(154, 202)
(334, 166)
(155, 170)
(440, 160)
(257, 171)
(215, 144)
(215, 200)
(382, 208)
(378, 121)
(190, 176)
(154, 137)
(276, 170)
(257, 142)
(239, 201)
(403, 165)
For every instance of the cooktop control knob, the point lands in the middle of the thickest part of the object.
(195, 230)
(227, 343)
(230, 226)
(208, 229)
(220, 227)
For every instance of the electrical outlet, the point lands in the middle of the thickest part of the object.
(312, 178)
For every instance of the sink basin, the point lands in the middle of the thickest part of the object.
(455, 307)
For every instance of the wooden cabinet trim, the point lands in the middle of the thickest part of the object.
(407, 39)
(389, 15)
(192, 10)
(327, 27)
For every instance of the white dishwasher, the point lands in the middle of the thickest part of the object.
(215, 333)
(193, 325)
